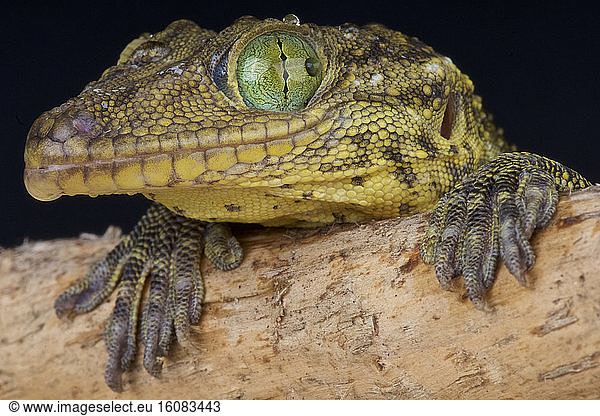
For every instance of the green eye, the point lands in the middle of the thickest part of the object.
(278, 71)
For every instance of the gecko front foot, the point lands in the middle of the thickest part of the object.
(494, 213)
(164, 252)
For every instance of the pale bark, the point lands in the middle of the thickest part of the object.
(340, 312)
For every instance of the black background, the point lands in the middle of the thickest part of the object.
(536, 68)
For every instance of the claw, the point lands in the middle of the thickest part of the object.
(155, 315)
(536, 199)
(432, 236)
(96, 286)
(479, 248)
(120, 335)
(447, 248)
(187, 288)
(490, 263)
(514, 246)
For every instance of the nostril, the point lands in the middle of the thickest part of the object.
(66, 126)
(62, 130)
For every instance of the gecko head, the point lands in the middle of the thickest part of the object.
(271, 101)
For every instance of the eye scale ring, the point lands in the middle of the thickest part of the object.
(278, 71)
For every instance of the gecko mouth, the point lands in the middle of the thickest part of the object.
(69, 152)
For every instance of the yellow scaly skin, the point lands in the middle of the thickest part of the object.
(389, 128)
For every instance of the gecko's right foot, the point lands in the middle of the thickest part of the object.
(165, 250)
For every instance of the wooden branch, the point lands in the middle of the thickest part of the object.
(339, 312)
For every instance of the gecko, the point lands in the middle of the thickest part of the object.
(281, 123)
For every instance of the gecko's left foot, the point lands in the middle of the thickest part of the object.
(494, 213)
(164, 249)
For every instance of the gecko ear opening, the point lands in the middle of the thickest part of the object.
(449, 117)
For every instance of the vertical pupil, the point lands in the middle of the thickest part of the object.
(285, 72)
